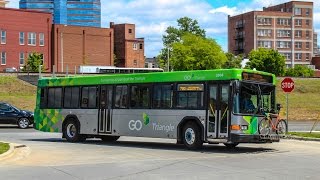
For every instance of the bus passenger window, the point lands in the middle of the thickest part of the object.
(162, 96)
(140, 96)
(121, 97)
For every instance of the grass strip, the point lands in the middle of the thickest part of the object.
(305, 134)
(4, 147)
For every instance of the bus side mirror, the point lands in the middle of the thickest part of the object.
(279, 106)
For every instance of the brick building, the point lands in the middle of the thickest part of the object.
(128, 49)
(76, 45)
(286, 27)
(23, 32)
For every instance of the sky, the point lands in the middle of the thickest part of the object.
(152, 17)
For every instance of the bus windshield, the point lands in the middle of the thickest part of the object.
(253, 98)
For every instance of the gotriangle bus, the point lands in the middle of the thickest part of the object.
(193, 107)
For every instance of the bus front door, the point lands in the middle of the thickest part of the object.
(218, 111)
(105, 111)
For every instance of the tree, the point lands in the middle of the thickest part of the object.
(233, 61)
(173, 35)
(34, 61)
(185, 25)
(268, 60)
(196, 53)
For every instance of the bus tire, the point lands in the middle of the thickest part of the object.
(191, 136)
(109, 138)
(71, 131)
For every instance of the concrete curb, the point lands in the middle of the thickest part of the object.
(301, 138)
(9, 152)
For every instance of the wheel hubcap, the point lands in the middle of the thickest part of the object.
(24, 123)
(71, 130)
(190, 136)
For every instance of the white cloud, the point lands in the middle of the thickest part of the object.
(225, 10)
(152, 17)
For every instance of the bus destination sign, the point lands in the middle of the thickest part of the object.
(256, 77)
(190, 87)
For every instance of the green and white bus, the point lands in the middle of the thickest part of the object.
(193, 107)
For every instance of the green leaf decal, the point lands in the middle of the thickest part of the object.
(145, 119)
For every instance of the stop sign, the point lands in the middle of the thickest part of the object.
(287, 85)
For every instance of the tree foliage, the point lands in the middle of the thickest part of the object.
(196, 53)
(34, 61)
(185, 25)
(268, 60)
(300, 71)
(233, 61)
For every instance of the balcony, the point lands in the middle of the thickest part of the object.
(240, 26)
(239, 37)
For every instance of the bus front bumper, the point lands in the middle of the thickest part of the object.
(244, 138)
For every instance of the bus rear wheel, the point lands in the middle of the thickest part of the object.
(109, 138)
(192, 136)
(71, 131)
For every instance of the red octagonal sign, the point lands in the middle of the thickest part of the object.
(287, 85)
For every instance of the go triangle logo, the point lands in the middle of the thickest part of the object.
(146, 119)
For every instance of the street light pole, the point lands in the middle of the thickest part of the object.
(168, 61)
(61, 46)
(292, 42)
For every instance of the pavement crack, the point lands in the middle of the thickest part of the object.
(145, 171)
(65, 172)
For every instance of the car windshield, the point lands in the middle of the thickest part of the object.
(252, 98)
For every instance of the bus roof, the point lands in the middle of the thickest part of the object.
(156, 77)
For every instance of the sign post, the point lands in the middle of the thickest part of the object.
(287, 85)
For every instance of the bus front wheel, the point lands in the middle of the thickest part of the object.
(192, 136)
(71, 131)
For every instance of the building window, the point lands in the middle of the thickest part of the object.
(283, 44)
(135, 62)
(298, 33)
(307, 56)
(264, 21)
(283, 22)
(32, 38)
(135, 46)
(307, 22)
(264, 44)
(3, 58)
(307, 35)
(307, 45)
(21, 38)
(3, 37)
(21, 58)
(298, 22)
(283, 33)
(130, 31)
(141, 46)
(287, 56)
(298, 56)
(41, 39)
(264, 32)
(297, 11)
(307, 12)
(298, 45)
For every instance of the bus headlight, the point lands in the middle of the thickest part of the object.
(244, 127)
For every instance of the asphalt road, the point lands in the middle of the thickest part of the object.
(47, 156)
